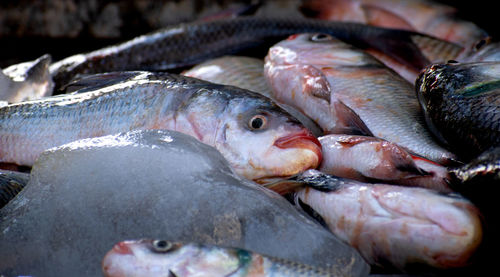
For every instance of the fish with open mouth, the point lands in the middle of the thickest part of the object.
(395, 226)
(314, 72)
(258, 138)
(26, 81)
(147, 257)
(461, 102)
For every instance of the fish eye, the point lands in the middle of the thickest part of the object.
(320, 37)
(257, 122)
(162, 246)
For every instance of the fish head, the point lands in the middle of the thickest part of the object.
(321, 50)
(149, 257)
(261, 140)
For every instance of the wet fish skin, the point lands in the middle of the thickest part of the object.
(370, 159)
(11, 183)
(190, 43)
(461, 102)
(148, 257)
(395, 226)
(26, 81)
(220, 116)
(247, 73)
(332, 69)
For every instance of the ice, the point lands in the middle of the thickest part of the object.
(86, 196)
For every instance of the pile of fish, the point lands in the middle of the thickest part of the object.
(173, 154)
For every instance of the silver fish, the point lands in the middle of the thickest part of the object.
(313, 72)
(256, 136)
(149, 257)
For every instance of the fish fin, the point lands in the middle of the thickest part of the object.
(310, 211)
(351, 123)
(39, 71)
(322, 182)
(350, 141)
(171, 274)
(283, 187)
(381, 17)
(96, 81)
(315, 83)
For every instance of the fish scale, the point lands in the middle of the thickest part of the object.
(119, 102)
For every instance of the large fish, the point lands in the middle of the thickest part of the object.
(370, 159)
(395, 226)
(190, 43)
(425, 16)
(149, 257)
(256, 136)
(461, 102)
(26, 81)
(247, 73)
(313, 72)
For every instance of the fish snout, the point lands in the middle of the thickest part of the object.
(303, 139)
(122, 248)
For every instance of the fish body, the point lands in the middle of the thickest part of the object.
(249, 129)
(395, 226)
(370, 159)
(461, 102)
(26, 81)
(11, 183)
(428, 17)
(247, 73)
(190, 43)
(164, 258)
(313, 72)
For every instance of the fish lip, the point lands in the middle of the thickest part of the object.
(122, 248)
(302, 139)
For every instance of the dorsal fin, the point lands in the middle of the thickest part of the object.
(97, 81)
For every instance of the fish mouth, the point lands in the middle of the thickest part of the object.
(304, 140)
(122, 248)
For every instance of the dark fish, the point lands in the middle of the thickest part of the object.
(461, 102)
(258, 138)
(85, 196)
(11, 183)
(190, 43)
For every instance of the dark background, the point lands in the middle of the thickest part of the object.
(31, 28)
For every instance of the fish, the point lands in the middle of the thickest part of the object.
(26, 81)
(187, 44)
(424, 16)
(11, 183)
(394, 226)
(370, 159)
(257, 137)
(148, 257)
(461, 103)
(313, 72)
(96, 192)
(247, 73)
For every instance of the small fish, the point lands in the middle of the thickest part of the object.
(316, 72)
(148, 257)
(258, 138)
(187, 44)
(26, 81)
(424, 16)
(11, 183)
(369, 159)
(247, 73)
(461, 102)
(395, 226)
